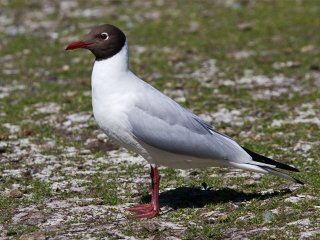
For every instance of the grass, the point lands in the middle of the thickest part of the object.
(40, 190)
(99, 187)
(178, 39)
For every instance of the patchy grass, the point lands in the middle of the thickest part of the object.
(40, 190)
(17, 231)
(99, 187)
(251, 68)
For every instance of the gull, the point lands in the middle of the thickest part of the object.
(140, 118)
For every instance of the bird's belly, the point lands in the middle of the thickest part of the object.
(179, 161)
(185, 162)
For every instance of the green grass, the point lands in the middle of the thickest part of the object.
(279, 32)
(99, 187)
(17, 231)
(40, 190)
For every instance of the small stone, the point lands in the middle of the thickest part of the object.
(288, 64)
(245, 26)
(152, 228)
(3, 232)
(303, 222)
(65, 68)
(223, 218)
(77, 189)
(268, 216)
(31, 217)
(242, 54)
(246, 217)
(250, 182)
(85, 152)
(16, 194)
(309, 234)
(50, 144)
(102, 136)
(208, 214)
(193, 26)
(307, 48)
(26, 51)
(139, 49)
(273, 236)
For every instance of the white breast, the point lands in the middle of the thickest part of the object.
(110, 104)
(113, 96)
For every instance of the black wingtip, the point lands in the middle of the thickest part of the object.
(259, 158)
(298, 181)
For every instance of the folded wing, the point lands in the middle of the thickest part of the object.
(162, 123)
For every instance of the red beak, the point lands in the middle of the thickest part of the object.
(80, 44)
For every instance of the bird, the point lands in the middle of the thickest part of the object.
(142, 119)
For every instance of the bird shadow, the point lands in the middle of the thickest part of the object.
(196, 197)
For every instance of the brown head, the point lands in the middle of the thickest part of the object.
(103, 41)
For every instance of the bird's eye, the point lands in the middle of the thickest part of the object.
(104, 35)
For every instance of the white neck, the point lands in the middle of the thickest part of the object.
(114, 65)
(108, 74)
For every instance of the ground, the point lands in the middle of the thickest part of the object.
(250, 68)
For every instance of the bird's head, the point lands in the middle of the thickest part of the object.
(103, 41)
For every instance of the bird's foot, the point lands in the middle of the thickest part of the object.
(144, 211)
(151, 209)
(150, 214)
(141, 208)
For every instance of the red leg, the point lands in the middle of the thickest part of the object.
(151, 209)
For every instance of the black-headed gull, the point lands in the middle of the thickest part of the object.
(142, 119)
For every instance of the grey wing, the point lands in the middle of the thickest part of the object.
(162, 123)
